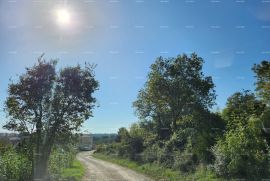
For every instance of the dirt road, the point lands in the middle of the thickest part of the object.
(98, 170)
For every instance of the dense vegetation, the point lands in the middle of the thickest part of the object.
(177, 129)
(16, 165)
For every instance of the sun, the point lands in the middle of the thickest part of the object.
(63, 16)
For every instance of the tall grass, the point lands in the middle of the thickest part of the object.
(157, 172)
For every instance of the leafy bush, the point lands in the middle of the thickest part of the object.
(243, 153)
(14, 166)
(4, 145)
(59, 160)
(150, 154)
(185, 161)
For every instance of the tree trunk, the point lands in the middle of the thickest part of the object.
(41, 163)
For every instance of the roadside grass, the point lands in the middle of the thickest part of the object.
(157, 172)
(154, 171)
(74, 173)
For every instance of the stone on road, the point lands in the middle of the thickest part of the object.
(99, 170)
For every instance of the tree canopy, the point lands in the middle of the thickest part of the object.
(49, 104)
(176, 87)
(178, 130)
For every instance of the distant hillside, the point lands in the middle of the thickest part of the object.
(103, 138)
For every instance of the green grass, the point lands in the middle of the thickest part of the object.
(154, 171)
(75, 172)
(157, 172)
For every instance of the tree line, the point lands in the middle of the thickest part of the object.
(178, 128)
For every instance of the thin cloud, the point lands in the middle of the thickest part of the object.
(263, 13)
(223, 60)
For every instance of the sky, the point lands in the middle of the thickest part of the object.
(124, 37)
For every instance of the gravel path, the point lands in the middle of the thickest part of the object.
(99, 170)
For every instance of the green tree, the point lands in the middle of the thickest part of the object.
(262, 72)
(123, 142)
(243, 153)
(49, 105)
(122, 135)
(137, 136)
(240, 107)
(129, 144)
(173, 108)
(175, 88)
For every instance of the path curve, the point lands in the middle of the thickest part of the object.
(99, 170)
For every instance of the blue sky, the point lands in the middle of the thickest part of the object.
(123, 37)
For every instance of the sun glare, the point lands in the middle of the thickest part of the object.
(63, 16)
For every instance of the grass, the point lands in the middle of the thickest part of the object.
(157, 172)
(152, 170)
(74, 173)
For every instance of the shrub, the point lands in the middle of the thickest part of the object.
(59, 160)
(243, 153)
(14, 166)
(185, 161)
(150, 154)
